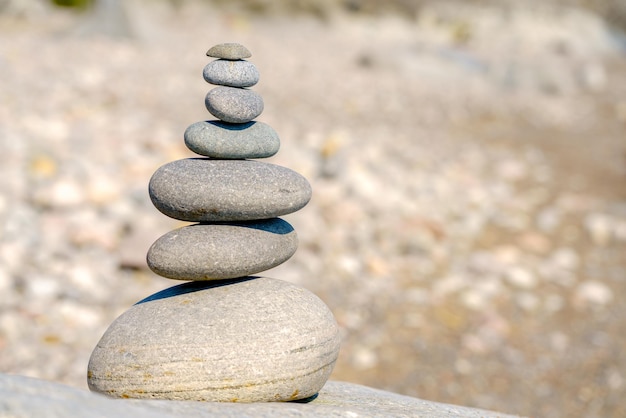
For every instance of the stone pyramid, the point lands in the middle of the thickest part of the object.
(224, 335)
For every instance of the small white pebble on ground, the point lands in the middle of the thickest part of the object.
(593, 292)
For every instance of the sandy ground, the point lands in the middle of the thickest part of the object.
(468, 224)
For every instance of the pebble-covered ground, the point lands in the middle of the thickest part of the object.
(468, 224)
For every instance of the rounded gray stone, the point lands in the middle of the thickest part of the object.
(223, 72)
(222, 251)
(206, 190)
(244, 340)
(218, 139)
(229, 51)
(234, 105)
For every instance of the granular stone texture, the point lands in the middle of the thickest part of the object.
(234, 105)
(223, 72)
(205, 190)
(229, 51)
(245, 340)
(222, 251)
(217, 139)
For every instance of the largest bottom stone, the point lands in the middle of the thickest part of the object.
(244, 340)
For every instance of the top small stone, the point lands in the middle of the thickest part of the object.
(229, 51)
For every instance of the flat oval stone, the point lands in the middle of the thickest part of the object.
(206, 190)
(222, 251)
(223, 72)
(243, 340)
(233, 105)
(218, 139)
(229, 51)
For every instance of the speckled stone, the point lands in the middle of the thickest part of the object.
(229, 51)
(207, 190)
(223, 72)
(219, 139)
(243, 340)
(222, 251)
(234, 105)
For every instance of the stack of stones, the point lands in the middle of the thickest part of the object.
(224, 335)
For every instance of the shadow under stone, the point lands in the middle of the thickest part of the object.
(306, 400)
(194, 286)
(231, 126)
(273, 225)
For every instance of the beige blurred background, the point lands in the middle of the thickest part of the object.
(468, 224)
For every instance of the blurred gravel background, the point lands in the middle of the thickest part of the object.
(468, 224)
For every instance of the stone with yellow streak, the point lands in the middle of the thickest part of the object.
(253, 339)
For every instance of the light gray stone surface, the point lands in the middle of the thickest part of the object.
(222, 251)
(234, 105)
(27, 397)
(218, 139)
(222, 72)
(206, 190)
(253, 339)
(229, 50)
